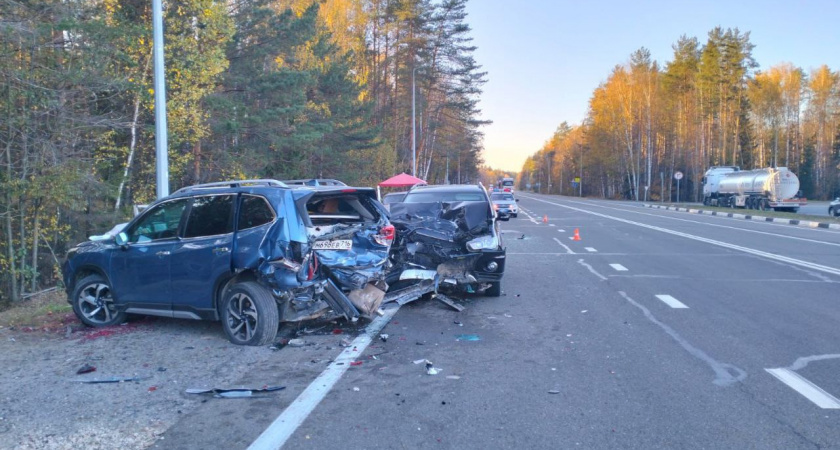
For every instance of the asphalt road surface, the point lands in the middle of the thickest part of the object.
(657, 329)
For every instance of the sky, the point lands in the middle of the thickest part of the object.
(545, 58)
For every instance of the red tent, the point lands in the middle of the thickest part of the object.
(401, 180)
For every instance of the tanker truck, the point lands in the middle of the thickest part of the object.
(770, 188)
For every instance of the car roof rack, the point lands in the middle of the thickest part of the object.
(232, 184)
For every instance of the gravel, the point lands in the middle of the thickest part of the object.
(44, 404)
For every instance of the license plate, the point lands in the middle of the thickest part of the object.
(339, 244)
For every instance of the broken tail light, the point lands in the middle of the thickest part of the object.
(313, 267)
(386, 235)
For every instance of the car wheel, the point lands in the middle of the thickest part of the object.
(495, 289)
(837, 211)
(93, 303)
(249, 314)
(515, 215)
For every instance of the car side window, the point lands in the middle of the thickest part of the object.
(210, 215)
(254, 211)
(161, 222)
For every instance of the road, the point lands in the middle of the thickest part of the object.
(657, 329)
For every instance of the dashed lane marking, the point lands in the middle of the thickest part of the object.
(671, 301)
(590, 249)
(809, 390)
(618, 267)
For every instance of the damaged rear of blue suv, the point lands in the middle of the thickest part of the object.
(249, 253)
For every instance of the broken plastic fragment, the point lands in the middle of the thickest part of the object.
(87, 368)
(431, 370)
(356, 363)
(553, 391)
(383, 337)
(453, 377)
(113, 380)
(467, 337)
(296, 342)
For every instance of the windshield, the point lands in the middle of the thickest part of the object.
(501, 197)
(507, 183)
(431, 197)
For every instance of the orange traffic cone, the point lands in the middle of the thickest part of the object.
(545, 218)
(577, 235)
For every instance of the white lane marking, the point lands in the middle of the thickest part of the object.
(564, 246)
(590, 249)
(797, 262)
(618, 267)
(603, 278)
(671, 301)
(725, 374)
(552, 225)
(809, 390)
(561, 230)
(293, 416)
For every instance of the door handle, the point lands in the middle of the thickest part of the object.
(162, 253)
(220, 250)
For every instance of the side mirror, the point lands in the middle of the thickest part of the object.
(121, 239)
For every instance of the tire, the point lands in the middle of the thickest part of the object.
(249, 314)
(515, 215)
(495, 289)
(93, 304)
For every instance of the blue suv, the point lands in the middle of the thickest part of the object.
(250, 253)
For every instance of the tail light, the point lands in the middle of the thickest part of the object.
(386, 235)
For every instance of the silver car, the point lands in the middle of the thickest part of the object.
(834, 207)
(505, 204)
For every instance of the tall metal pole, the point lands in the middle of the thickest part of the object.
(580, 185)
(413, 129)
(162, 156)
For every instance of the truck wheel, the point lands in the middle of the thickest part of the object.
(249, 314)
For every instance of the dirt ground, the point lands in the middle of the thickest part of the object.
(45, 405)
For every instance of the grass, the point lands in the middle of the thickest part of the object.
(44, 312)
(755, 212)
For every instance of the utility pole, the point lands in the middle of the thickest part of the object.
(580, 185)
(161, 145)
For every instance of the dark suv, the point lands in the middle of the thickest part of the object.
(448, 233)
(249, 253)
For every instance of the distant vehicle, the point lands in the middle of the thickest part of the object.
(314, 182)
(505, 204)
(506, 184)
(394, 197)
(764, 189)
(834, 208)
(249, 253)
(448, 233)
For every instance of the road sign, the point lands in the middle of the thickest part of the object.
(678, 175)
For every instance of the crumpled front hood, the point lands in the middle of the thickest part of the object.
(459, 221)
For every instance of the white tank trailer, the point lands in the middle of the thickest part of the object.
(763, 189)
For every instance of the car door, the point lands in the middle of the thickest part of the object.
(201, 258)
(139, 272)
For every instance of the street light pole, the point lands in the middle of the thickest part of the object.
(413, 127)
(161, 152)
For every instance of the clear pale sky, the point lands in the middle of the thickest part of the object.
(544, 58)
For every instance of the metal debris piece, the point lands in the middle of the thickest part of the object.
(554, 391)
(449, 302)
(296, 343)
(453, 377)
(383, 337)
(113, 380)
(234, 392)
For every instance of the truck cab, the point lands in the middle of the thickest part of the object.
(711, 183)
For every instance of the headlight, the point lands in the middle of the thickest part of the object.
(488, 242)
